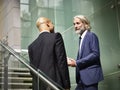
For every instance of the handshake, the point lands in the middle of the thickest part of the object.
(71, 62)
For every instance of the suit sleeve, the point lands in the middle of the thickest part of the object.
(30, 54)
(30, 57)
(62, 61)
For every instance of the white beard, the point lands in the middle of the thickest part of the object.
(80, 31)
(77, 31)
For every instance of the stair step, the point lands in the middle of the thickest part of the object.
(18, 85)
(18, 79)
(22, 84)
(19, 89)
(17, 69)
(17, 73)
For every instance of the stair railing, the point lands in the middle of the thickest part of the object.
(7, 52)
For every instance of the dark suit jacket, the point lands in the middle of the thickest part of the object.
(88, 68)
(47, 53)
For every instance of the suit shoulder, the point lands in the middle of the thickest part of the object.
(58, 34)
(92, 34)
(58, 37)
(30, 46)
(33, 43)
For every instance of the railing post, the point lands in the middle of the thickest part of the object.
(5, 68)
(6, 58)
(1, 64)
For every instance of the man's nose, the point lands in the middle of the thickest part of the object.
(75, 25)
(75, 28)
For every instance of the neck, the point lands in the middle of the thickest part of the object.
(45, 30)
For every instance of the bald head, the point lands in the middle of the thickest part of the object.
(44, 23)
(42, 20)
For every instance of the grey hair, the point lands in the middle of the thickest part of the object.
(84, 20)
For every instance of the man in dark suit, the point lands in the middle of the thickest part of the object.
(88, 66)
(47, 53)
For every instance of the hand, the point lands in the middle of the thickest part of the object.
(71, 62)
(68, 61)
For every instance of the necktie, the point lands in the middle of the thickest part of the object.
(79, 48)
(79, 41)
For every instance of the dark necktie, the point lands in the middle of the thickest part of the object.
(79, 41)
(79, 48)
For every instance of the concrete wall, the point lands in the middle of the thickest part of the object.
(10, 22)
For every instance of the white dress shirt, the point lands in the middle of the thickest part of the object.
(82, 37)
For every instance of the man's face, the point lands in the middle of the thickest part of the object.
(79, 26)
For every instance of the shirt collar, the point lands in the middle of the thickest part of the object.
(84, 33)
(44, 31)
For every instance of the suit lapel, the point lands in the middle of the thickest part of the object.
(83, 44)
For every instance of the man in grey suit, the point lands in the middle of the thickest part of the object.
(88, 66)
(47, 53)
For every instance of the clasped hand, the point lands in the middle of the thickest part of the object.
(71, 62)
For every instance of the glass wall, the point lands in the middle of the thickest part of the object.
(104, 16)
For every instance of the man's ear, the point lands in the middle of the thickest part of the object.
(48, 25)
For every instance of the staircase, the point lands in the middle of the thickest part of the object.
(18, 79)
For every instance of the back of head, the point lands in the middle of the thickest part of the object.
(45, 24)
(41, 20)
(84, 20)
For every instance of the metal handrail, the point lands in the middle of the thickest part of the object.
(40, 74)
